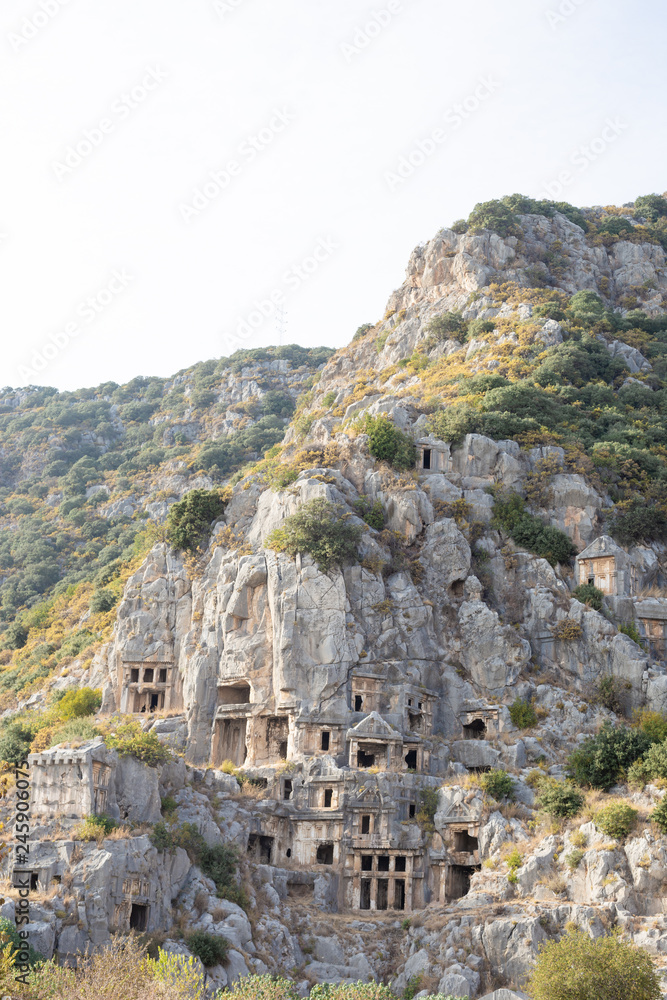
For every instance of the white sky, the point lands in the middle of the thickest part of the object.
(219, 76)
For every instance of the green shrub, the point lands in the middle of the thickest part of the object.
(15, 740)
(608, 694)
(356, 991)
(15, 636)
(588, 593)
(573, 859)
(655, 761)
(74, 731)
(321, 529)
(632, 632)
(559, 799)
(446, 326)
(427, 801)
(9, 935)
(168, 805)
(102, 600)
(453, 423)
(94, 828)
(189, 520)
(514, 862)
(362, 331)
(616, 820)
(522, 714)
(219, 863)
(651, 207)
(654, 724)
(529, 532)
(265, 987)
(212, 949)
(498, 784)
(636, 521)
(659, 815)
(77, 704)
(268, 987)
(600, 759)
(372, 513)
(388, 444)
(130, 741)
(493, 215)
(580, 968)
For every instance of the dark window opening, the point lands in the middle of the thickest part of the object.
(475, 730)
(358, 703)
(325, 741)
(282, 750)
(57, 879)
(365, 824)
(365, 759)
(412, 809)
(287, 789)
(383, 863)
(420, 705)
(464, 842)
(138, 917)
(325, 854)
(456, 588)
(154, 702)
(365, 895)
(34, 879)
(427, 458)
(482, 769)
(459, 880)
(148, 675)
(260, 847)
(382, 899)
(134, 675)
(163, 676)
(367, 862)
(411, 759)
(288, 852)
(591, 580)
(399, 894)
(328, 796)
(409, 701)
(399, 863)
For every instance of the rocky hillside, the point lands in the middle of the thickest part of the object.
(400, 711)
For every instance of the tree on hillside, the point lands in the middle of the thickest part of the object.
(579, 968)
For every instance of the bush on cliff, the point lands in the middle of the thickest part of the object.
(599, 761)
(529, 532)
(189, 521)
(580, 968)
(388, 444)
(129, 741)
(321, 529)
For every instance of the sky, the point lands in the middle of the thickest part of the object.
(184, 178)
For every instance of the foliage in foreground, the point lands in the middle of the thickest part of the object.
(321, 529)
(579, 968)
(558, 798)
